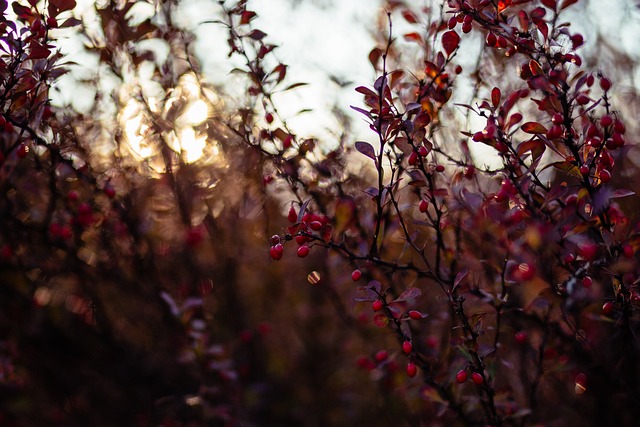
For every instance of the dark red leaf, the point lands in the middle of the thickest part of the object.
(366, 149)
(410, 16)
(450, 41)
(567, 3)
(63, 5)
(257, 34)
(495, 96)
(408, 294)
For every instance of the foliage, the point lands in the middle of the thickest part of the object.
(139, 284)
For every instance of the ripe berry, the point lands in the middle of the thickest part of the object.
(587, 281)
(315, 225)
(407, 347)
(275, 239)
(439, 168)
(276, 251)
(491, 40)
(303, 251)
(477, 378)
(110, 191)
(293, 215)
(588, 251)
(461, 376)
(584, 170)
(557, 119)
(605, 176)
(606, 120)
(377, 305)
(521, 337)
(423, 206)
(412, 369)
(413, 158)
(415, 315)
(605, 84)
(583, 99)
(269, 118)
(628, 251)
(356, 275)
(569, 258)
(607, 308)
(381, 355)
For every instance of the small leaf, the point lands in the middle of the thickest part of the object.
(366, 149)
(567, 3)
(413, 37)
(622, 193)
(461, 275)
(450, 41)
(257, 35)
(495, 96)
(294, 85)
(533, 127)
(374, 57)
(409, 16)
(408, 294)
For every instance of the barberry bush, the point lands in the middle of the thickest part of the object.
(180, 255)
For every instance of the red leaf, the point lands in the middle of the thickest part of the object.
(63, 5)
(413, 37)
(410, 16)
(37, 51)
(622, 193)
(551, 4)
(247, 16)
(533, 127)
(495, 96)
(567, 3)
(450, 41)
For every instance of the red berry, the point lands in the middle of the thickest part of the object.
(412, 369)
(315, 225)
(422, 151)
(269, 118)
(466, 28)
(628, 251)
(439, 168)
(477, 378)
(557, 119)
(407, 347)
(356, 275)
(415, 315)
(461, 376)
(275, 239)
(110, 191)
(377, 305)
(521, 337)
(525, 272)
(569, 258)
(619, 127)
(587, 281)
(52, 22)
(607, 308)
(583, 99)
(381, 355)
(300, 239)
(605, 84)
(584, 170)
(606, 120)
(293, 215)
(6, 252)
(605, 176)
(458, 69)
(413, 158)
(502, 42)
(72, 196)
(303, 251)
(491, 40)
(588, 251)
(423, 206)
(276, 251)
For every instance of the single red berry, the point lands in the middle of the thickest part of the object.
(439, 168)
(315, 225)
(407, 347)
(8, 127)
(605, 176)
(356, 275)
(381, 355)
(584, 170)
(583, 99)
(462, 376)
(377, 305)
(52, 22)
(193, 237)
(557, 119)
(606, 120)
(293, 215)
(491, 40)
(525, 272)
(628, 251)
(521, 337)
(458, 69)
(502, 42)
(605, 84)
(415, 315)
(478, 136)
(422, 151)
(619, 127)
(269, 118)
(587, 281)
(303, 251)
(300, 239)
(469, 172)
(275, 239)
(618, 140)
(569, 258)
(413, 158)
(588, 251)
(607, 308)
(477, 378)
(423, 206)
(577, 40)
(466, 27)
(47, 112)
(412, 369)
(72, 196)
